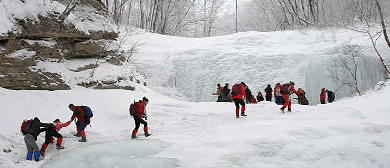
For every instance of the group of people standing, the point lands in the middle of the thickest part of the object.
(224, 95)
(326, 94)
(240, 93)
(32, 128)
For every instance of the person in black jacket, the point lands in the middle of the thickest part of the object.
(31, 137)
(259, 97)
(331, 96)
(248, 95)
(268, 92)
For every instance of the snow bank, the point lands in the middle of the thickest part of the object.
(348, 133)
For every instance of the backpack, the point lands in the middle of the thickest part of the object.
(88, 111)
(25, 128)
(285, 88)
(133, 109)
(235, 90)
(331, 95)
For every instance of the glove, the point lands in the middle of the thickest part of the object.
(144, 116)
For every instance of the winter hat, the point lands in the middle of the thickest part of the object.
(218, 85)
(242, 83)
(292, 83)
(57, 120)
(323, 89)
(145, 99)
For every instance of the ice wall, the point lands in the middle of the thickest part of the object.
(369, 73)
(189, 69)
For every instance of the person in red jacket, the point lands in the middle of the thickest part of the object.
(50, 132)
(238, 97)
(82, 121)
(139, 114)
(323, 96)
(287, 90)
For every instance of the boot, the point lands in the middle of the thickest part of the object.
(59, 146)
(243, 114)
(36, 156)
(237, 110)
(77, 135)
(146, 132)
(29, 156)
(282, 109)
(134, 134)
(59, 142)
(237, 116)
(83, 139)
(42, 151)
(289, 110)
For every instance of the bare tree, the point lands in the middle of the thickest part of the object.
(372, 31)
(69, 8)
(344, 67)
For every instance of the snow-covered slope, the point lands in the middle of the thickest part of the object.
(348, 133)
(189, 69)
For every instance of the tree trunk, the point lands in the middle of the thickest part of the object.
(384, 34)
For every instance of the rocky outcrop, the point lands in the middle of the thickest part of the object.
(48, 38)
(16, 74)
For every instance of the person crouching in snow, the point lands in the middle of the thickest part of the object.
(31, 137)
(50, 132)
(138, 111)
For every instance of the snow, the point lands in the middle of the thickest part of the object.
(352, 132)
(189, 129)
(21, 54)
(85, 20)
(10, 9)
(104, 72)
(47, 43)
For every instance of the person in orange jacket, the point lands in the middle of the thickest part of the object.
(287, 90)
(140, 113)
(238, 93)
(323, 96)
(278, 95)
(219, 93)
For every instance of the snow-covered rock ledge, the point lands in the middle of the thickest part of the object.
(33, 31)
